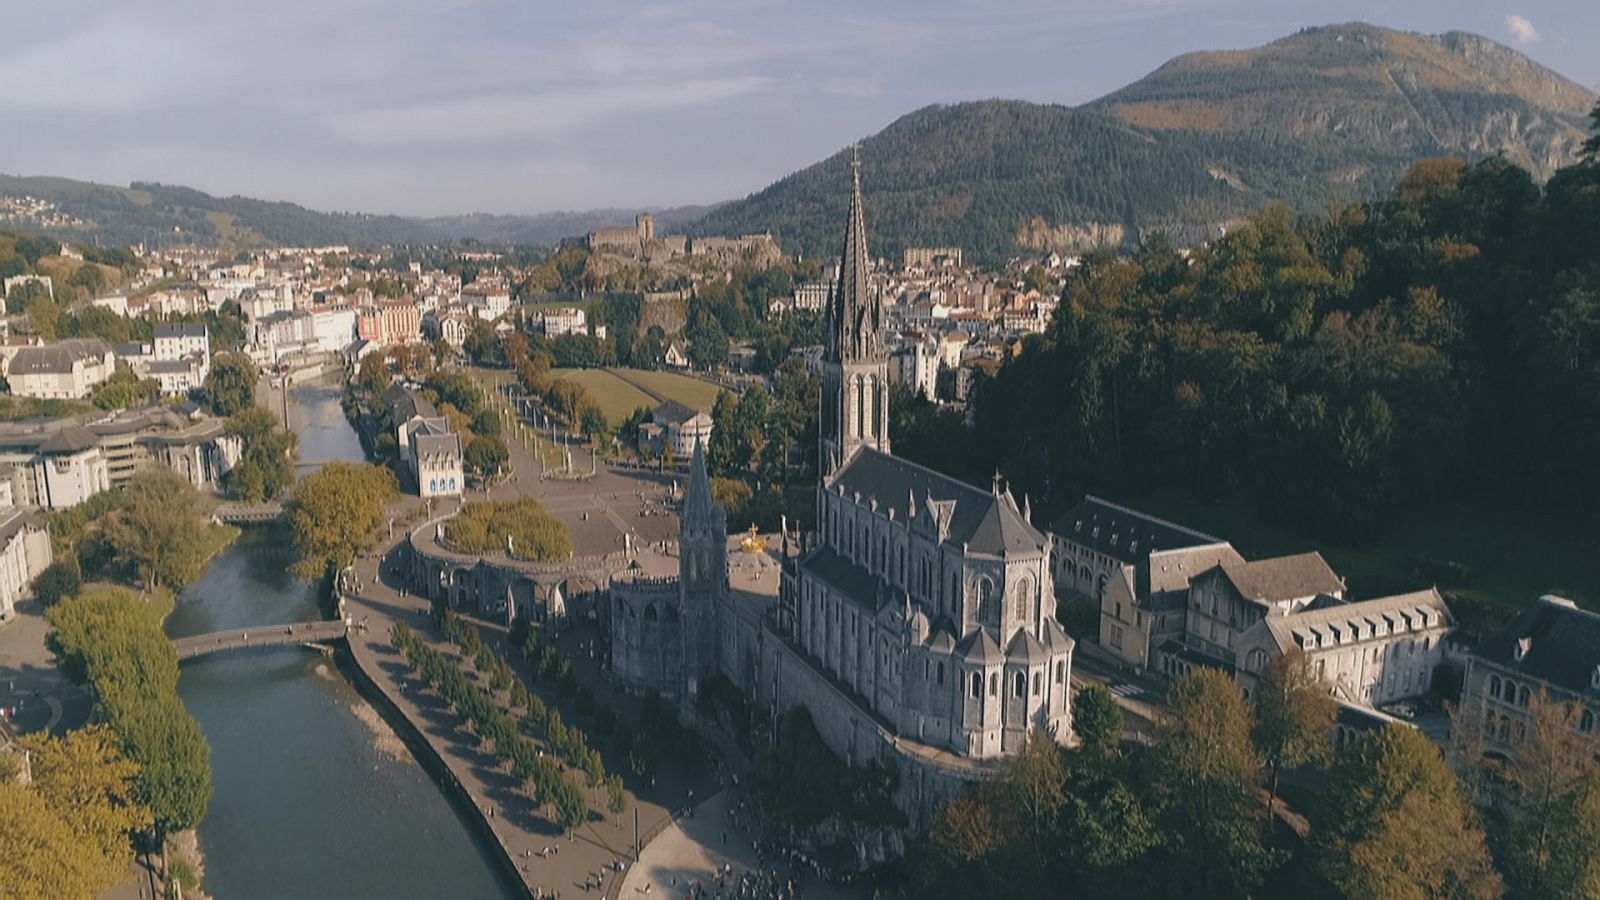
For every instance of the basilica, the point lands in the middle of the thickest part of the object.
(916, 623)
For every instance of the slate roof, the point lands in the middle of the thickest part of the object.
(674, 413)
(180, 329)
(1330, 623)
(56, 358)
(403, 403)
(1563, 644)
(435, 445)
(1122, 533)
(984, 521)
(16, 520)
(979, 647)
(1026, 648)
(854, 582)
(1283, 577)
(69, 438)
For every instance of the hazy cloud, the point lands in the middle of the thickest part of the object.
(1522, 31)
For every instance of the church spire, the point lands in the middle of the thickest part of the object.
(697, 500)
(855, 319)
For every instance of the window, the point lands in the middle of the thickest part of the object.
(1116, 636)
(977, 684)
(994, 684)
(939, 674)
(1037, 683)
(1061, 670)
(985, 600)
(927, 666)
(1020, 683)
(1024, 608)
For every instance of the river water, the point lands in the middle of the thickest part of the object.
(314, 797)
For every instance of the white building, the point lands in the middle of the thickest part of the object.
(916, 366)
(486, 301)
(24, 552)
(567, 320)
(69, 468)
(64, 370)
(677, 426)
(436, 458)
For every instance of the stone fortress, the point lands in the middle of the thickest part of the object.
(641, 244)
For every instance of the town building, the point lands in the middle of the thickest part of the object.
(931, 258)
(436, 458)
(676, 426)
(64, 370)
(557, 322)
(450, 324)
(1551, 647)
(25, 551)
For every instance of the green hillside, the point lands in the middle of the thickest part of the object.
(1328, 113)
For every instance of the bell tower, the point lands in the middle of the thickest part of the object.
(702, 575)
(855, 367)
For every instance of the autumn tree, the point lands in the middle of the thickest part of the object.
(1394, 823)
(1295, 715)
(265, 468)
(333, 512)
(158, 528)
(1206, 778)
(1552, 805)
(87, 781)
(44, 858)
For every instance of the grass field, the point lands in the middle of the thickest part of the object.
(1490, 562)
(691, 392)
(616, 397)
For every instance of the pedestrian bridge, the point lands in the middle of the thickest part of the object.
(243, 513)
(299, 633)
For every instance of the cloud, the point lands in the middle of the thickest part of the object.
(1522, 30)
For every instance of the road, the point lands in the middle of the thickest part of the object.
(31, 688)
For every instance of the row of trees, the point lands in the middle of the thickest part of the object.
(69, 826)
(112, 641)
(493, 725)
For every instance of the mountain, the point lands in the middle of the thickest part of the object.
(1329, 113)
(160, 214)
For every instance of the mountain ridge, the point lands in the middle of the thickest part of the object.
(1327, 114)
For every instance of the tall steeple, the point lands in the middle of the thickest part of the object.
(702, 574)
(855, 368)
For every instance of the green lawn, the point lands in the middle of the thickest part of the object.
(617, 398)
(691, 392)
(1489, 561)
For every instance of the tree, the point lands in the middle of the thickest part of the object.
(1295, 715)
(1097, 719)
(86, 780)
(333, 512)
(265, 468)
(44, 858)
(231, 384)
(1591, 147)
(159, 528)
(59, 580)
(486, 455)
(486, 423)
(1205, 782)
(373, 373)
(617, 795)
(1394, 823)
(1553, 809)
(592, 423)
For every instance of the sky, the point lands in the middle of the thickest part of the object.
(438, 107)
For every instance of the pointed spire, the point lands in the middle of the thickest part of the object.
(853, 327)
(996, 488)
(1027, 510)
(697, 500)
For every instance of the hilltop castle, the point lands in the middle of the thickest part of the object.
(916, 624)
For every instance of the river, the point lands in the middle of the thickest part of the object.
(315, 798)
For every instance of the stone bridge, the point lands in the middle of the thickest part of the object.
(299, 633)
(500, 584)
(246, 513)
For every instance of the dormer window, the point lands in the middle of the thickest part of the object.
(1521, 649)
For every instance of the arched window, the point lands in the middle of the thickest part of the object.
(977, 684)
(1100, 587)
(994, 684)
(955, 593)
(1494, 686)
(938, 674)
(1020, 683)
(1024, 600)
(1061, 670)
(1522, 696)
(861, 406)
(985, 600)
(1037, 683)
(650, 612)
